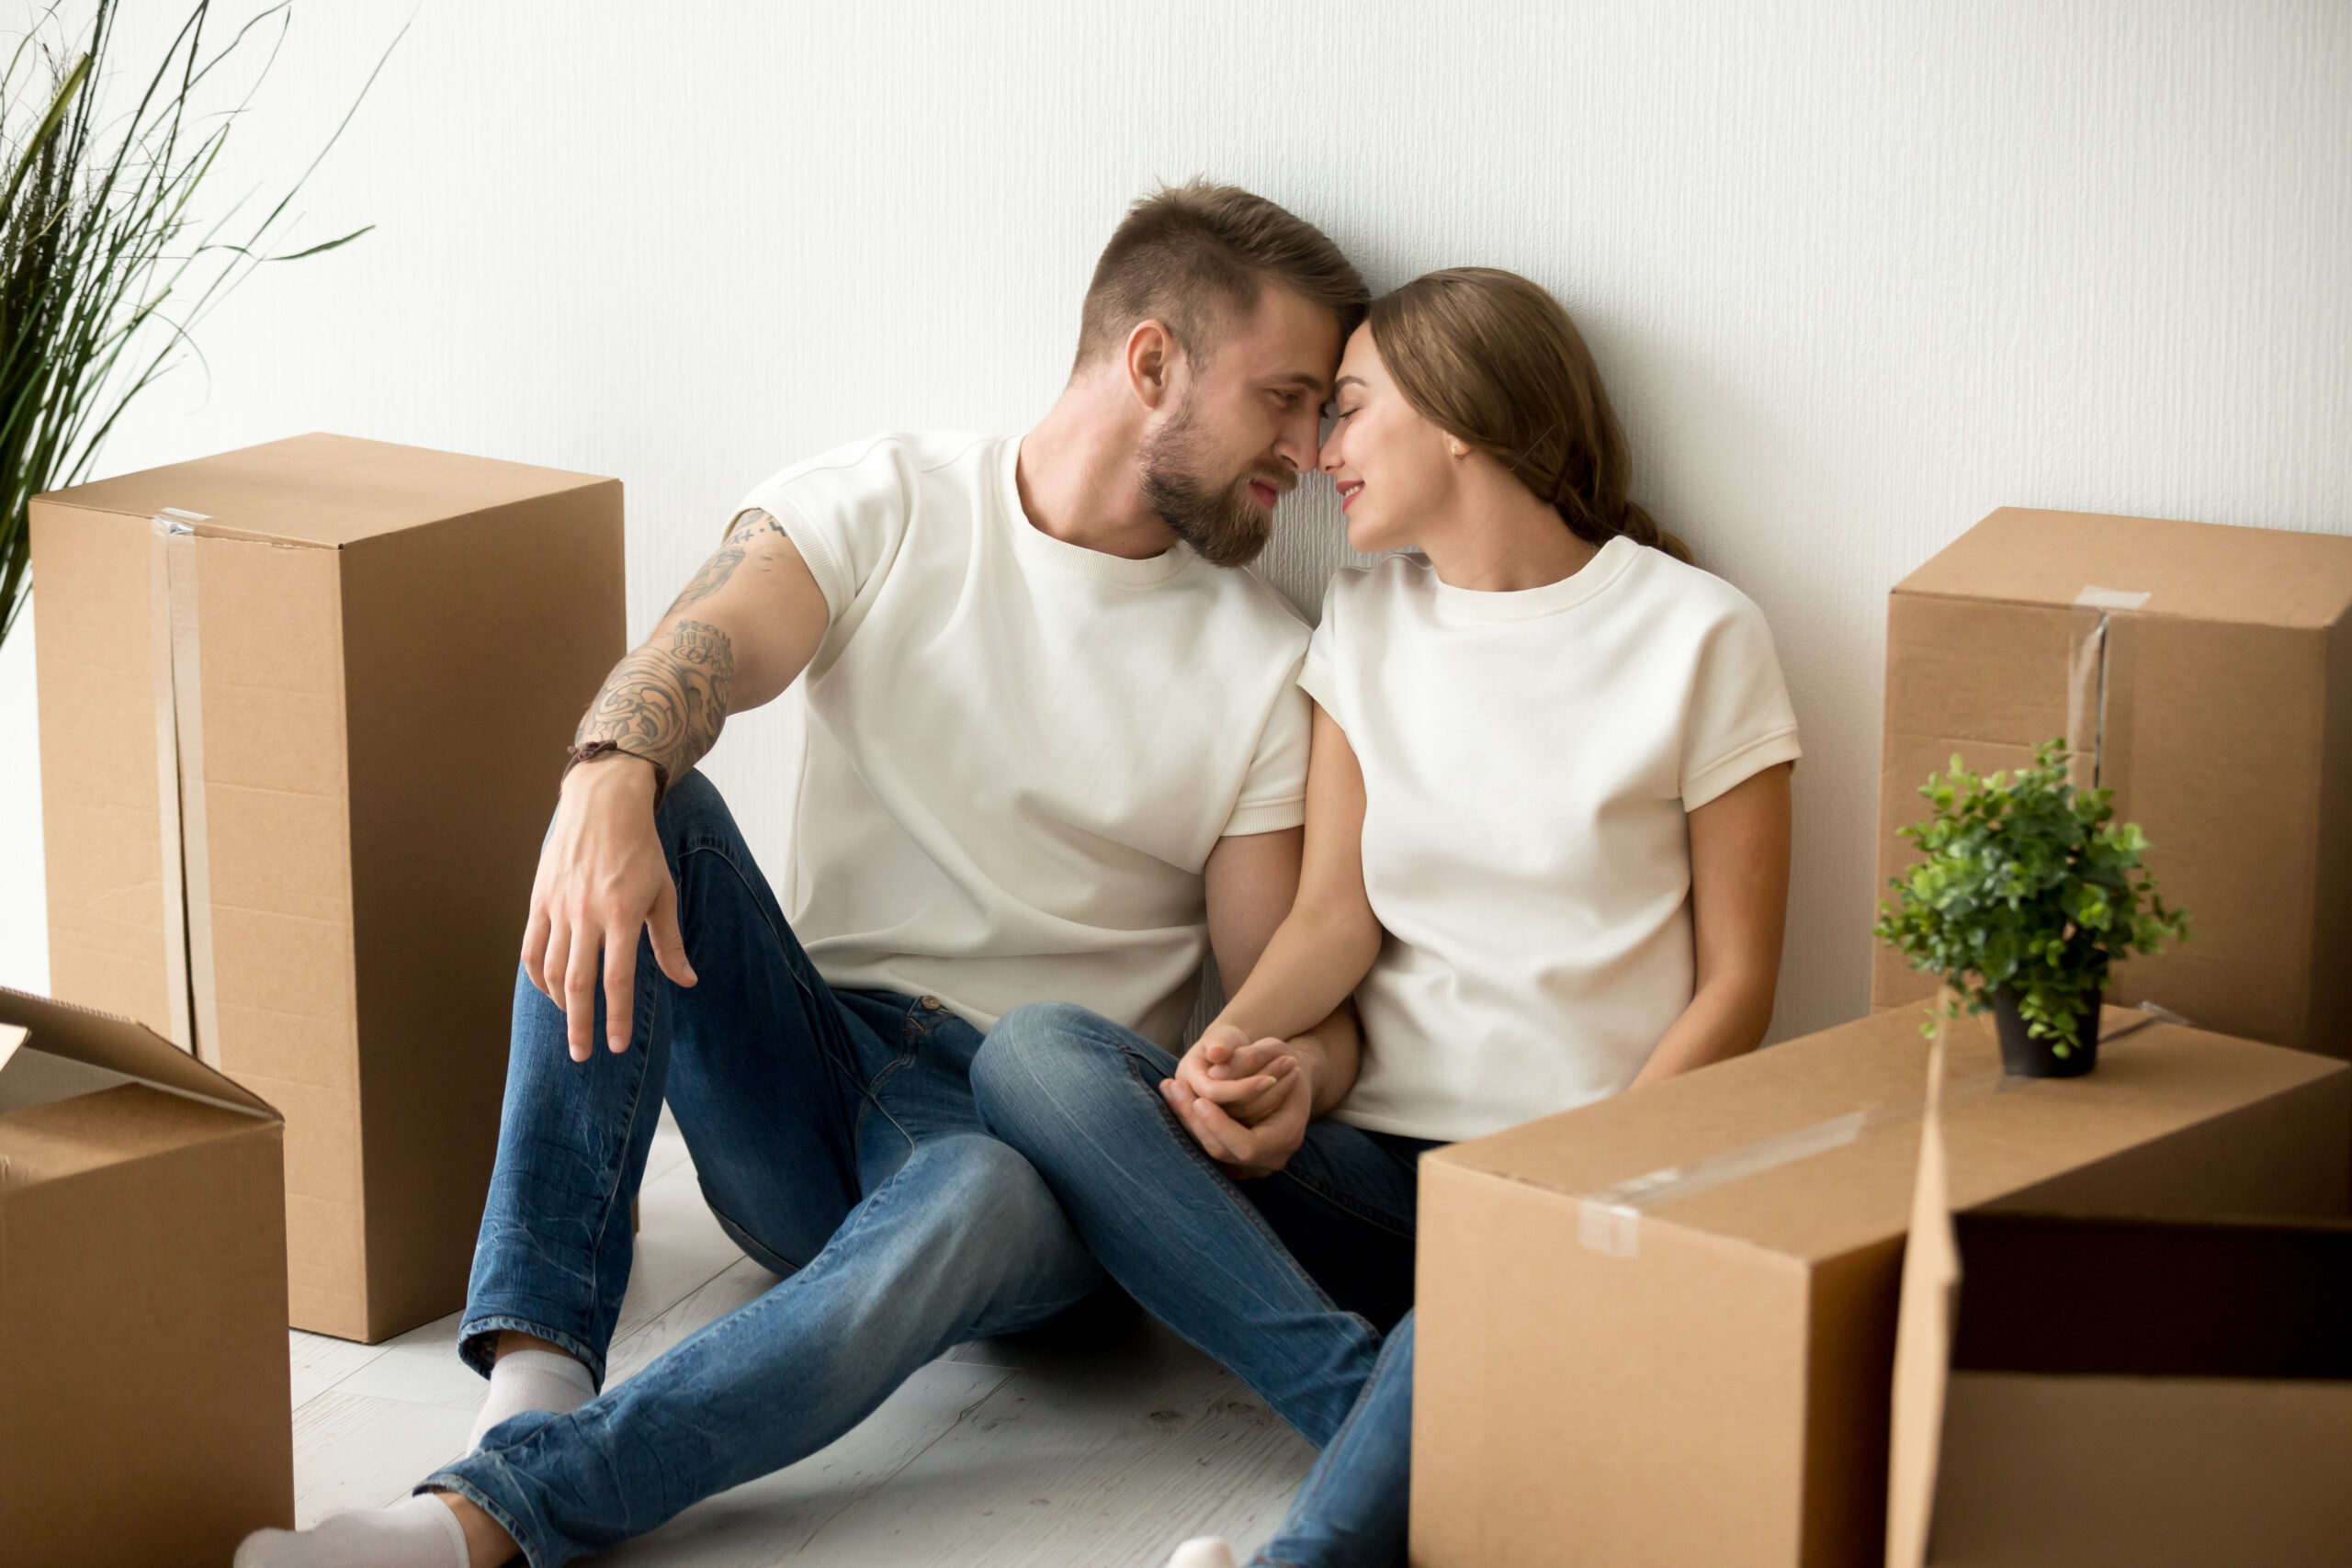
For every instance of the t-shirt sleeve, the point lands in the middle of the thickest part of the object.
(1739, 721)
(1314, 676)
(1273, 795)
(846, 512)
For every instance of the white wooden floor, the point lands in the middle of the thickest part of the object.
(1102, 1446)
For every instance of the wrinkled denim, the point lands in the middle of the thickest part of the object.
(837, 1141)
(1288, 1280)
(1351, 1511)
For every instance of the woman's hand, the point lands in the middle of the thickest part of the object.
(1247, 1150)
(1244, 1078)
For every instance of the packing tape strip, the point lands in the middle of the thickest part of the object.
(181, 1025)
(1609, 1220)
(180, 783)
(2088, 688)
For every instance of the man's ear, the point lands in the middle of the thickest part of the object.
(1151, 361)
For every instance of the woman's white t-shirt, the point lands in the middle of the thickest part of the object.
(1529, 760)
(1021, 752)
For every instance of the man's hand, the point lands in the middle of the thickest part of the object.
(1246, 1102)
(602, 877)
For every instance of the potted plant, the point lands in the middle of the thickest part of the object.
(2028, 892)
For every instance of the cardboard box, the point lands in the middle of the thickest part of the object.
(145, 1417)
(2119, 1394)
(2202, 673)
(302, 710)
(1660, 1330)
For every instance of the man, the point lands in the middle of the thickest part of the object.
(1056, 751)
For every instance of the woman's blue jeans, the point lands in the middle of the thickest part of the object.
(1288, 1280)
(837, 1143)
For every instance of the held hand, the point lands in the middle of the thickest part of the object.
(1244, 1151)
(602, 877)
(1241, 1077)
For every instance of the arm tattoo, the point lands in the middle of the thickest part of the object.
(751, 528)
(667, 700)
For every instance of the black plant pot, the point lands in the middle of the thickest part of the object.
(2027, 1055)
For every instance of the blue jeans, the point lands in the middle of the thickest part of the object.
(1351, 1509)
(1288, 1280)
(837, 1141)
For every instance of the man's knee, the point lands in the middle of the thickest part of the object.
(692, 804)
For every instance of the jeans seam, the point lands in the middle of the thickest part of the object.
(716, 848)
(842, 1062)
(620, 1167)
(728, 1221)
(1138, 1066)
(1340, 1200)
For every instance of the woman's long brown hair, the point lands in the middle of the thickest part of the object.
(1493, 360)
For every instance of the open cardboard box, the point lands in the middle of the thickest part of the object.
(1660, 1330)
(145, 1415)
(2079, 1391)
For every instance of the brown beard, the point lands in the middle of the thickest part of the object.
(1223, 524)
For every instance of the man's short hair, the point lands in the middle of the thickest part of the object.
(1194, 258)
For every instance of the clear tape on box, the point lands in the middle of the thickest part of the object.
(177, 662)
(1609, 1220)
(2097, 657)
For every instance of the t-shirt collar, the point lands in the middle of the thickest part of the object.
(1043, 548)
(1607, 564)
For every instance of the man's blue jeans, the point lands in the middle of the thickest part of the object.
(1288, 1280)
(837, 1140)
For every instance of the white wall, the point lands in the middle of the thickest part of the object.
(1856, 273)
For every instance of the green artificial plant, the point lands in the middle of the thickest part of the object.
(2028, 885)
(104, 266)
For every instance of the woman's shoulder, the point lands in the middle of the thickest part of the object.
(1367, 589)
(1689, 592)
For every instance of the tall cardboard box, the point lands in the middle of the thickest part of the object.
(2202, 673)
(2074, 1391)
(145, 1419)
(303, 707)
(1660, 1330)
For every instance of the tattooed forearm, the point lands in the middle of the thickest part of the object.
(752, 530)
(667, 700)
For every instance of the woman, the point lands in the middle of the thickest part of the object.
(1547, 852)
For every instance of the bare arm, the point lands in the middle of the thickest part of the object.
(1328, 941)
(1739, 903)
(738, 635)
(1287, 1048)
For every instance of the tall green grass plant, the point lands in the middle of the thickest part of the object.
(106, 265)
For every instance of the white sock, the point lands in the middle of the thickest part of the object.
(531, 1379)
(415, 1532)
(1200, 1551)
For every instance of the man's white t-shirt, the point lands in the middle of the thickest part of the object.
(1021, 752)
(1528, 759)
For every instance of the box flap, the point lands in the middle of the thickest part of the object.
(1808, 1149)
(1922, 1338)
(59, 1049)
(321, 490)
(2041, 1318)
(2199, 570)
